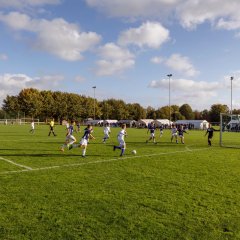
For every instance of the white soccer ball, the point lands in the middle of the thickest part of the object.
(134, 152)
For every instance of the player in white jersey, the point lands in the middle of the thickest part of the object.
(70, 139)
(174, 131)
(120, 137)
(106, 132)
(32, 130)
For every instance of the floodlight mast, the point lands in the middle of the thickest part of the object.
(231, 79)
(169, 96)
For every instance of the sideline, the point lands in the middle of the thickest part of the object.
(29, 169)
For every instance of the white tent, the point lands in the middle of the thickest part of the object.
(127, 122)
(197, 124)
(159, 122)
(94, 122)
(110, 122)
(233, 124)
(144, 122)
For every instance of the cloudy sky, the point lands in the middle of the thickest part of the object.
(124, 48)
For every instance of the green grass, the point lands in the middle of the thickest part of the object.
(166, 191)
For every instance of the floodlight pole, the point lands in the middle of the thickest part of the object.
(169, 95)
(231, 78)
(94, 88)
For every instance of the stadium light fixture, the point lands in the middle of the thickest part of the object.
(231, 78)
(169, 95)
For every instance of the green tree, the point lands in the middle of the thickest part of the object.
(31, 102)
(186, 111)
(136, 111)
(215, 111)
(150, 113)
(11, 106)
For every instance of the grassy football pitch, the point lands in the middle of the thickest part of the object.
(165, 191)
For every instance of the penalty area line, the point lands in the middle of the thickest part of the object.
(16, 164)
(27, 169)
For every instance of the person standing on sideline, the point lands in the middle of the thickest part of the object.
(32, 130)
(70, 139)
(122, 145)
(51, 125)
(106, 132)
(210, 131)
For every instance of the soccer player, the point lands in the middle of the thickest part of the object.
(84, 141)
(151, 129)
(51, 125)
(120, 137)
(181, 131)
(210, 131)
(106, 132)
(161, 130)
(78, 126)
(32, 130)
(70, 139)
(174, 131)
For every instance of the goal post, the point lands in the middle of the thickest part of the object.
(230, 130)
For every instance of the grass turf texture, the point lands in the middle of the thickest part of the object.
(166, 191)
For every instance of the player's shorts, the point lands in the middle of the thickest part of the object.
(84, 142)
(152, 135)
(174, 134)
(70, 137)
(181, 136)
(121, 143)
(106, 135)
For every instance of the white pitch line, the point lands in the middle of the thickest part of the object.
(28, 169)
(16, 164)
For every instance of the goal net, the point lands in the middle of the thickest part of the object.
(230, 130)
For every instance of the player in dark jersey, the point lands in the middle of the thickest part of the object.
(151, 129)
(181, 132)
(85, 138)
(161, 130)
(209, 132)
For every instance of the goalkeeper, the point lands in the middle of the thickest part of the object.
(210, 131)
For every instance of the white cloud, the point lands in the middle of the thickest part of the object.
(157, 60)
(12, 84)
(186, 85)
(181, 64)
(3, 57)
(57, 37)
(196, 93)
(220, 13)
(114, 60)
(177, 62)
(25, 3)
(133, 8)
(149, 34)
(79, 79)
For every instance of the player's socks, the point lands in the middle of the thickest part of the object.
(84, 152)
(122, 151)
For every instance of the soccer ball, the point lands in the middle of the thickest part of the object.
(134, 152)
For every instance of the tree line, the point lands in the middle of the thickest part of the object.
(33, 103)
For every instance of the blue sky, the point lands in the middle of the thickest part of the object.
(124, 48)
